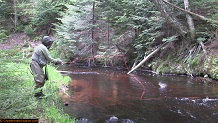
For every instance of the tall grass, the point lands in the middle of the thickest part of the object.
(17, 88)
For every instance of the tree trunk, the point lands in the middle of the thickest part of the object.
(167, 14)
(92, 62)
(108, 32)
(15, 13)
(189, 19)
(191, 25)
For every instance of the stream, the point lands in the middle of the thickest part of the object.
(103, 95)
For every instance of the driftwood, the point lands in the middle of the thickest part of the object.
(146, 58)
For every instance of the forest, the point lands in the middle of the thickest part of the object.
(163, 36)
(121, 32)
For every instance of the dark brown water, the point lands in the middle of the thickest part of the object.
(98, 95)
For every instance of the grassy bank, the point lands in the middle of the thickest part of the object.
(17, 99)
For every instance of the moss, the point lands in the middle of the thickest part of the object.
(196, 66)
(211, 66)
(163, 68)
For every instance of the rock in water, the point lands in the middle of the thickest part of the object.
(112, 119)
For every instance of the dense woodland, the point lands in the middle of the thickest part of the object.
(169, 36)
(163, 36)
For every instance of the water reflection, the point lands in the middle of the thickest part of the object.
(140, 98)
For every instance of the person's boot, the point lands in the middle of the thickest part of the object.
(39, 94)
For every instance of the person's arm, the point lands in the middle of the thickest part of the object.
(48, 56)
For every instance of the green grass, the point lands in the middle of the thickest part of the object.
(16, 93)
(17, 99)
(51, 101)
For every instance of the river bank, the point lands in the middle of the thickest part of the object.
(203, 65)
(17, 91)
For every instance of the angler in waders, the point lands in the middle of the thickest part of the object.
(40, 59)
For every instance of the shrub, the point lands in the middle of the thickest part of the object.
(30, 31)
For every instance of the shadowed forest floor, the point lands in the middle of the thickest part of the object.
(18, 39)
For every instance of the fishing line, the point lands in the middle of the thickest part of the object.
(134, 76)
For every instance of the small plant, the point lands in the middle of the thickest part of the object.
(19, 28)
(30, 31)
(3, 35)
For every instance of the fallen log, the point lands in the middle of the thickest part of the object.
(146, 58)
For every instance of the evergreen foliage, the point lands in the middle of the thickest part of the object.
(45, 10)
(75, 27)
(6, 13)
(106, 28)
(134, 24)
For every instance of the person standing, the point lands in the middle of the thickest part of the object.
(40, 58)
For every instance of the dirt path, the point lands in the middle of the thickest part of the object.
(17, 39)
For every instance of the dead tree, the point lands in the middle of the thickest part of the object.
(168, 15)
